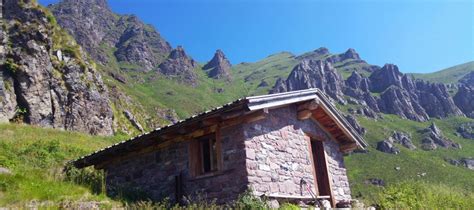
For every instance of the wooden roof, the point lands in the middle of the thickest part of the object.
(311, 103)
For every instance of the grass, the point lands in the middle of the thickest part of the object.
(36, 156)
(376, 164)
(449, 75)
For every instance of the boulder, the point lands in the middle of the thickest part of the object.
(387, 147)
(5, 171)
(375, 181)
(468, 163)
(403, 139)
(466, 130)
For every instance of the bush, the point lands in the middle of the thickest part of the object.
(92, 179)
(420, 195)
(249, 201)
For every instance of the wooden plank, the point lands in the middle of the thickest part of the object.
(304, 114)
(310, 105)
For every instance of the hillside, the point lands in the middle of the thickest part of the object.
(135, 81)
(36, 157)
(450, 75)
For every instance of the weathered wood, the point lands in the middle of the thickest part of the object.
(304, 114)
(174, 137)
(347, 147)
(310, 105)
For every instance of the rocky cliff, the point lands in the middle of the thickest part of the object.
(45, 78)
(313, 74)
(219, 67)
(386, 90)
(99, 30)
(179, 65)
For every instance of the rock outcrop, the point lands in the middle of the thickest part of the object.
(47, 77)
(387, 147)
(349, 54)
(433, 138)
(355, 124)
(466, 130)
(415, 100)
(219, 67)
(464, 99)
(403, 138)
(398, 93)
(468, 79)
(99, 30)
(464, 162)
(179, 65)
(314, 74)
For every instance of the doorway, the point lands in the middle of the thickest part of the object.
(321, 169)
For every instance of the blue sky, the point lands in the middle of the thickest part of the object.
(418, 36)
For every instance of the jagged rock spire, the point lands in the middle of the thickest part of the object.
(179, 65)
(219, 67)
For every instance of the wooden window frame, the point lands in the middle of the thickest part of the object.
(196, 165)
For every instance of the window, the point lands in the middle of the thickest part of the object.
(204, 155)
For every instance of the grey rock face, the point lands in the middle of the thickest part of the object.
(466, 130)
(464, 99)
(468, 79)
(93, 24)
(355, 124)
(179, 65)
(403, 139)
(396, 100)
(219, 67)
(387, 147)
(8, 102)
(465, 162)
(415, 100)
(388, 76)
(53, 91)
(468, 163)
(433, 137)
(132, 119)
(435, 100)
(349, 54)
(316, 54)
(314, 74)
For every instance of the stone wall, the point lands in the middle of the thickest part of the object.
(270, 156)
(337, 169)
(278, 155)
(153, 174)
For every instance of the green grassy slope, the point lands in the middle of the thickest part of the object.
(449, 75)
(36, 156)
(376, 164)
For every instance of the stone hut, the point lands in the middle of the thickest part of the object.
(285, 146)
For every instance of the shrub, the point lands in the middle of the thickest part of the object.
(249, 201)
(420, 195)
(92, 179)
(11, 65)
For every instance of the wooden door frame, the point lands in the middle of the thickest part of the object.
(310, 150)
